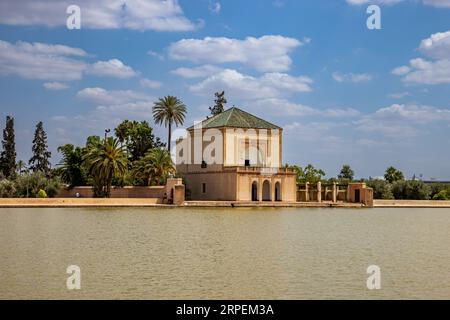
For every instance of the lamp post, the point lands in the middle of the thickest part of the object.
(106, 133)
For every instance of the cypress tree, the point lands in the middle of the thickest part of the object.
(8, 155)
(40, 159)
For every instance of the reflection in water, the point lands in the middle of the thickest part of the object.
(224, 254)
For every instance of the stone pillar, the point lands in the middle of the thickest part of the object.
(272, 190)
(319, 191)
(178, 194)
(307, 191)
(260, 191)
(334, 192)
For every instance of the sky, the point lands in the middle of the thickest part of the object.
(344, 93)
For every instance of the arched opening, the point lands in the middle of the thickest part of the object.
(266, 191)
(278, 191)
(254, 191)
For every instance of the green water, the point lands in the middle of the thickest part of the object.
(225, 254)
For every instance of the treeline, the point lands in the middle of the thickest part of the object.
(392, 186)
(18, 179)
(133, 156)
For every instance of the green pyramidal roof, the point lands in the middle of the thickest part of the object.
(236, 118)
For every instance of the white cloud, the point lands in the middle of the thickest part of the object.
(197, 72)
(215, 7)
(401, 71)
(402, 121)
(438, 3)
(437, 46)
(112, 68)
(111, 97)
(428, 72)
(423, 71)
(399, 95)
(155, 54)
(41, 61)
(283, 107)
(55, 86)
(238, 85)
(267, 53)
(100, 14)
(351, 77)
(434, 3)
(151, 84)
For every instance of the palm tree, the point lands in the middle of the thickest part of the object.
(155, 167)
(104, 162)
(21, 167)
(169, 110)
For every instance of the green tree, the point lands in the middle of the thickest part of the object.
(308, 174)
(40, 159)
(21, 167)
(346, 173)
(442, 195)
(8, 155)
(155, 167)
(219, 103)
(71, 166)
(29, 184)
(381, 189)
(138, 138)
(169, 110)
(411, 190)
(104, 162)
(392, 175)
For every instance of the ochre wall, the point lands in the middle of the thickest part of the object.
(125, 192)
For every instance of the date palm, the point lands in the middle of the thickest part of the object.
(169, 110)
(155, 167)
(105, 161)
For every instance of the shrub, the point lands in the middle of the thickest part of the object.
(42, 194)
(411, 190)
(28, 185)
(442, 195)
(7, 189)
(381, 189)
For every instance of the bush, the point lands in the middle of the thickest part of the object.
(411, 190)
(442, 195)
(29, 185)
(7, 189)
(42, 194)
(381, 189)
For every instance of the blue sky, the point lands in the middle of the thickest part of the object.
(342, 93)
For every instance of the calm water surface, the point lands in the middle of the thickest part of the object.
(224, 254)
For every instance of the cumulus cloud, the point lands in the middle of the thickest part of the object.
(268, 53)
(151, 84)
(55, 86)
(100, 14)
(112, 97)
(351, 77)
(196, 72)
(437, 46)
(283, 107)
(112, 68)
(238, 85)
(41, 61)
(401, 121)
(431, 72)
(401, 71)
